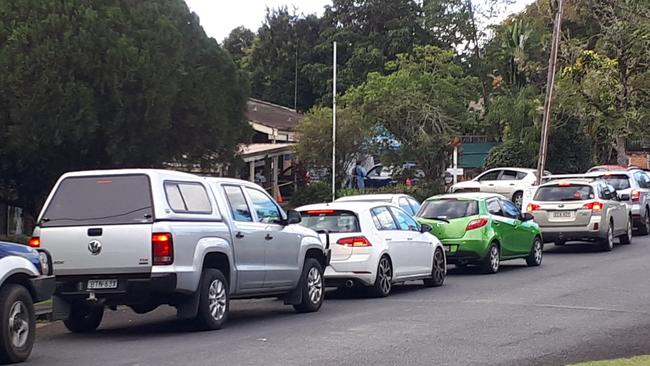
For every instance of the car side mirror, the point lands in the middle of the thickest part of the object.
(425, 228)
(527, 217)
(624, 197)
(293, 217)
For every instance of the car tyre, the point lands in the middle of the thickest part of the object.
(627, 237)
(534, 259)
(492, 260)
(313, 287)
(214, 300)
(83, 318)
(644, 227)
(384, 281)
(17, 322)
(607, 243)
(518, 199)
(438, 270)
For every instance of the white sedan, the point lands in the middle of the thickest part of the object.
(376, 245)
(404, 201)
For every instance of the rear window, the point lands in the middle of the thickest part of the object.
(619, 182)
(562, 193)
(106, 200)
(448, 209)
(333, 221)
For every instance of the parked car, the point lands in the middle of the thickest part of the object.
(605, 168)
(482, 229)
(25, 279)
(633, 188)
(508, 182)
(404, 201)
(581, 209)
(144, 238)
(376, 244)
(380, 176)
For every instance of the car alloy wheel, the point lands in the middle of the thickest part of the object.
(18, 324)
(385, 276)
(439, 266)
(536, 253)
(608, 241)
(217, 299)
(494, 258)
(314, 285)
(518, 199)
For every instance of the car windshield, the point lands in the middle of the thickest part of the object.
(619, 182)
(332, 221)
(564, 192)
(448, 209)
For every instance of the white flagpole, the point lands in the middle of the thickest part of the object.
(334, 129)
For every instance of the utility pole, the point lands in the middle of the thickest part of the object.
(550, 87)
(295, 85)
(334, 128)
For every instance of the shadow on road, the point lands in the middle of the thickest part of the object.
(576, 248)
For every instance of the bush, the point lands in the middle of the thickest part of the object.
(20, 239)
(316, 192)
(420, 192)
(511, 154)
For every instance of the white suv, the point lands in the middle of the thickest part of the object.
(508, 182)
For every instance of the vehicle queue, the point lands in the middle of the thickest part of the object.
(143, 238)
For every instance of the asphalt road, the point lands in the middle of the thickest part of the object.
(581, 304)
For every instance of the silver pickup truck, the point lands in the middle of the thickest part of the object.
(144, 238)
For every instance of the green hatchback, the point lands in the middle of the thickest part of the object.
(482, 229)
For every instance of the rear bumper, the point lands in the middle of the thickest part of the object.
(551, 234)
(130, 289)
(363, 271)
(464, 251)
(43, 287)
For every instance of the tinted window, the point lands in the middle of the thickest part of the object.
(383, 219)
(508, 175)
(415, 204)
(619, 182)
(238, 206)
(510, 210)
(561, 193)
(493, 175)
(642, 179)
(106, 200)
(494, 207)
(404, 205)
(448, 209)
(404, 221)
(265, 208)
(521, 175)
(332, 221)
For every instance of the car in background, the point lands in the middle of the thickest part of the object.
(375, 244)
(25, 279)
(404, 201)
(586, 209)
(482, 229)
(605, 168)
(508, 182)
(381, 176)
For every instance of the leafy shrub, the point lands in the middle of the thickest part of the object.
(316, 192)
(20, 239)
(420, 192)
(510, 154)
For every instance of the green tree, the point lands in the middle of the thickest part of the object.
(109, 84)
(238, 42)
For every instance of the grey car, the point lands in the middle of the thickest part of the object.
(585, 209)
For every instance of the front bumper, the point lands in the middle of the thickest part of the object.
(43, 287)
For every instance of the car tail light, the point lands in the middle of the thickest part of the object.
(34, 242)
(594, 206)
(635, 196)
(532, 207)
(476, 224)
(354, 242)
(319, 212)
(162, 247)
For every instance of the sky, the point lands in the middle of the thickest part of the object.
(219, 17)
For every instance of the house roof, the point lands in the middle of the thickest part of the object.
(272, 115)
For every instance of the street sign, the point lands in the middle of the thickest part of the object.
(457, 172)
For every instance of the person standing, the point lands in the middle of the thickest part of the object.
(360, 175)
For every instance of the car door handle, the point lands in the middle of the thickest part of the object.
(512, 184)
(239, 235)
(268, 237)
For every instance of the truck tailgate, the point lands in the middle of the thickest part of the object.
(109, 249)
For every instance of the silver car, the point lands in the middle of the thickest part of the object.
(581, 209)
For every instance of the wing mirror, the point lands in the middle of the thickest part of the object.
(624, 197)
(425, 228)
(527, 217)
(293, 217)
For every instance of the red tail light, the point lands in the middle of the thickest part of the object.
(635, 196)
(354, 242)
(594, 206)
(162, 247)
(319, 212)
(476, 224)
(532, 207)
(34, 242)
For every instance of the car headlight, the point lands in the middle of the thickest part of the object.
(45, 263)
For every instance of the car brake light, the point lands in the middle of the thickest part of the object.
(354, 242)
(34, 242)
(594, 206)
(162, 247)
(532, 207)
(477, 224)
(319, 212)
(564, 184)
(635, 196)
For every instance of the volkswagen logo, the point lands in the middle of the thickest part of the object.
(560, 205)
(95, 247)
